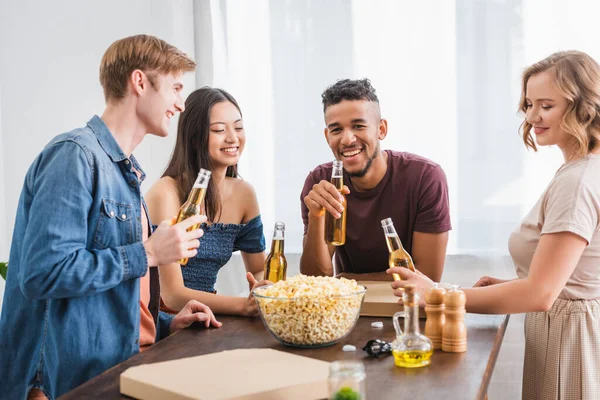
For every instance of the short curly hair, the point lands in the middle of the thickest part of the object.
(348, 89)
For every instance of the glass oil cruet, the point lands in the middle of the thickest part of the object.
(411, 349)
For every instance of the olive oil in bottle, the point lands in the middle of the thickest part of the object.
(412, 359)
(411, 349)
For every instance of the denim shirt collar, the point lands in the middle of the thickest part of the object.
(136, 165)
(110, 145)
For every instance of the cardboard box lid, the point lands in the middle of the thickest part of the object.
(380, 300)
(243, 374)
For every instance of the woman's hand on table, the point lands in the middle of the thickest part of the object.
(194, 311)
(250, 306)
(489, 281)
(369, 276)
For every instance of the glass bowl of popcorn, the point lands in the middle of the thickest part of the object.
(309, 311)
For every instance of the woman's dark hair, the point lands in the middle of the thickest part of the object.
(191, 147)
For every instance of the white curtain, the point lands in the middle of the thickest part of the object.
(446, 71)
(3, 220)
(448, 77)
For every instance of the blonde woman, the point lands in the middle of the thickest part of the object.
(556, 249)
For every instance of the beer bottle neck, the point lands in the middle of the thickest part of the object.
(277, 246)
(389, 230)
(391, 235)
(393, 240)
(196, 196)
(337, 175)
(338, 182)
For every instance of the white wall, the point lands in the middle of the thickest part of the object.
(447, 74)
(3, 219)
(51, 52)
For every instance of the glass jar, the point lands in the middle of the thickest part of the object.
(347, 380)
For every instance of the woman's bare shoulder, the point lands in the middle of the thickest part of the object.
(245, 194)
(241, 187)
(162, 199)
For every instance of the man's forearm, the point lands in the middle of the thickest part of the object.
(316, 258)
(429, 253)
(434, 270)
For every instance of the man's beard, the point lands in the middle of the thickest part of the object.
(364, 171)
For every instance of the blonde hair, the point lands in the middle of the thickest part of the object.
(144, 52)
(577, 77)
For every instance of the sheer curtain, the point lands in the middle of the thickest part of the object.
(277, 57)
(447, 73)
(448, 77)
(3, 220)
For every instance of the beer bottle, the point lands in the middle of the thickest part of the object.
(276, 264)
(335, 228)
(398, 256)
(194, 202)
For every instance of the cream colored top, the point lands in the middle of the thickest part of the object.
(570, 203)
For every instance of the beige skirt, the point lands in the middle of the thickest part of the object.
(562, 352)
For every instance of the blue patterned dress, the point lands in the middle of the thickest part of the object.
(216, 246)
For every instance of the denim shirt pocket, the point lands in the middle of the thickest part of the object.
(115, 224)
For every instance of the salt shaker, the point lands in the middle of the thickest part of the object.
(454, 334)
(434, 307)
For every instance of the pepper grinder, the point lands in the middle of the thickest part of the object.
(434, 307)
(454, 333)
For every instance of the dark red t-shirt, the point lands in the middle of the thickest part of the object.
(413, 192)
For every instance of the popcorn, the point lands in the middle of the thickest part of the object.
(348, 347)
(377, 324)
(308, 310)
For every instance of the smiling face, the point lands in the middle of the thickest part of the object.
(545, 108)
(227, 136)
(160, 102)
(353, 131)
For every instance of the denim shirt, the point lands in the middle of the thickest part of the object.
(71, 304)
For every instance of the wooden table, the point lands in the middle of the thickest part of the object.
(450, 376)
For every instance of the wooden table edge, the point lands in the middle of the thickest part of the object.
(70, 394)
(489, 369)
(481, 393)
